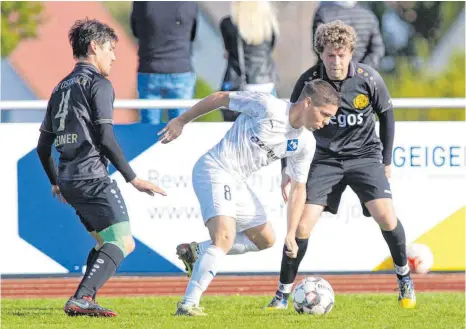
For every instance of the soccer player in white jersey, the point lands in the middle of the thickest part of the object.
(268, 129)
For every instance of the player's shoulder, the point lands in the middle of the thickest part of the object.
(101, 84)
(368, 75)
(366, 71)
(312, 73)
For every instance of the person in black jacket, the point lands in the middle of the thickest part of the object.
(79, 122)
(369, 44)
(348, 153)
(257, 26)
(165, 30)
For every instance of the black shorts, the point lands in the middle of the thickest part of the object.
(328, 179)
(98, 202)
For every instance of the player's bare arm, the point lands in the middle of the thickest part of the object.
(294, 213)
(174, 128)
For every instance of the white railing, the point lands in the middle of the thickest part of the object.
(407, 103)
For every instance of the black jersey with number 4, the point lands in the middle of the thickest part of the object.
(351, 132)
(82, 100)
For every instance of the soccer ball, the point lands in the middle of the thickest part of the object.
(420, 258)
(313, 296)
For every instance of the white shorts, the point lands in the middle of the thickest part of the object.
(221, 193)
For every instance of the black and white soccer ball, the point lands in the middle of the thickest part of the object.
(313, 296)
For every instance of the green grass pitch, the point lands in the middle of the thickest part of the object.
(363, 311)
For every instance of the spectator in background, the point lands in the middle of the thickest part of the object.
(165, 30)
(369, 44)
(255, 24)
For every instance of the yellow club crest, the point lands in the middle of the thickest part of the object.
(361, 101)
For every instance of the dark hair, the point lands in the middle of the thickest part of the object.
(321, 93)
(84, 31)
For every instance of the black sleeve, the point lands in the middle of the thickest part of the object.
(134, 18)
(102, 97)
(44, 150)
(387, 134)
(380, 97)
(376, 48)
(318, 20)
(112, 150)
(47, 122)
(223, 31)
(298, 88)
(194, 28)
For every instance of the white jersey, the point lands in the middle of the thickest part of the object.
(263, 134)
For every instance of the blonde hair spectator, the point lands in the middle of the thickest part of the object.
(256, 20)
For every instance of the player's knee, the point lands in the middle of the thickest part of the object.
(224, 239)
(304, 230)
(269, 241)
(129, 244)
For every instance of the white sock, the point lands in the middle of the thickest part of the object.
(285, 288)
(242, 245)
(204, 272)
(202, 246)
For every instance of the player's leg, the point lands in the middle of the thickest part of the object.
(216, 192)
(103, 208)
(222, 232)
(324, 188)
(254, 233)
(367, 178)
(289, 266)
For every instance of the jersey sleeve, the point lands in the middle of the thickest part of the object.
(299, 164)
(102, 97)
(253, 104)
(46, 125)
(381, 100)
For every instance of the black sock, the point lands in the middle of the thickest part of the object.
(106, 261)
(90, 260)
(289, 268)
(396, 241)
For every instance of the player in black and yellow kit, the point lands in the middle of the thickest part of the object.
(349, 153)
(79, 123)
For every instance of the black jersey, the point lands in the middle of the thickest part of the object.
(80, 102)
(351, 132)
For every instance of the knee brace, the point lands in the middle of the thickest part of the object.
(115, 234)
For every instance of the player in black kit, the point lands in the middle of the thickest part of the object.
(79, 122)
(349, 153)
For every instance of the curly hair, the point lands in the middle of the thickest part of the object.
(335, 34)
(84, 31)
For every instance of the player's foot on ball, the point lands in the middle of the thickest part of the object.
(278, 303)
(188, 254)
(86, 306)
(407, 296)
(189, 310)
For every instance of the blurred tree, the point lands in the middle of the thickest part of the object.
(19, 21)
(450, 83)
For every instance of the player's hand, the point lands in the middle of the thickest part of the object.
(286, 185)
(147, 187)
(388, 171)
(172, 130)
(57, 193)
(291, 246)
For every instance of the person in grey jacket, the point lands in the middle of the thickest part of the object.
(369, 44)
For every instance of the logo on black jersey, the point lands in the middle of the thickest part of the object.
(361, 101)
